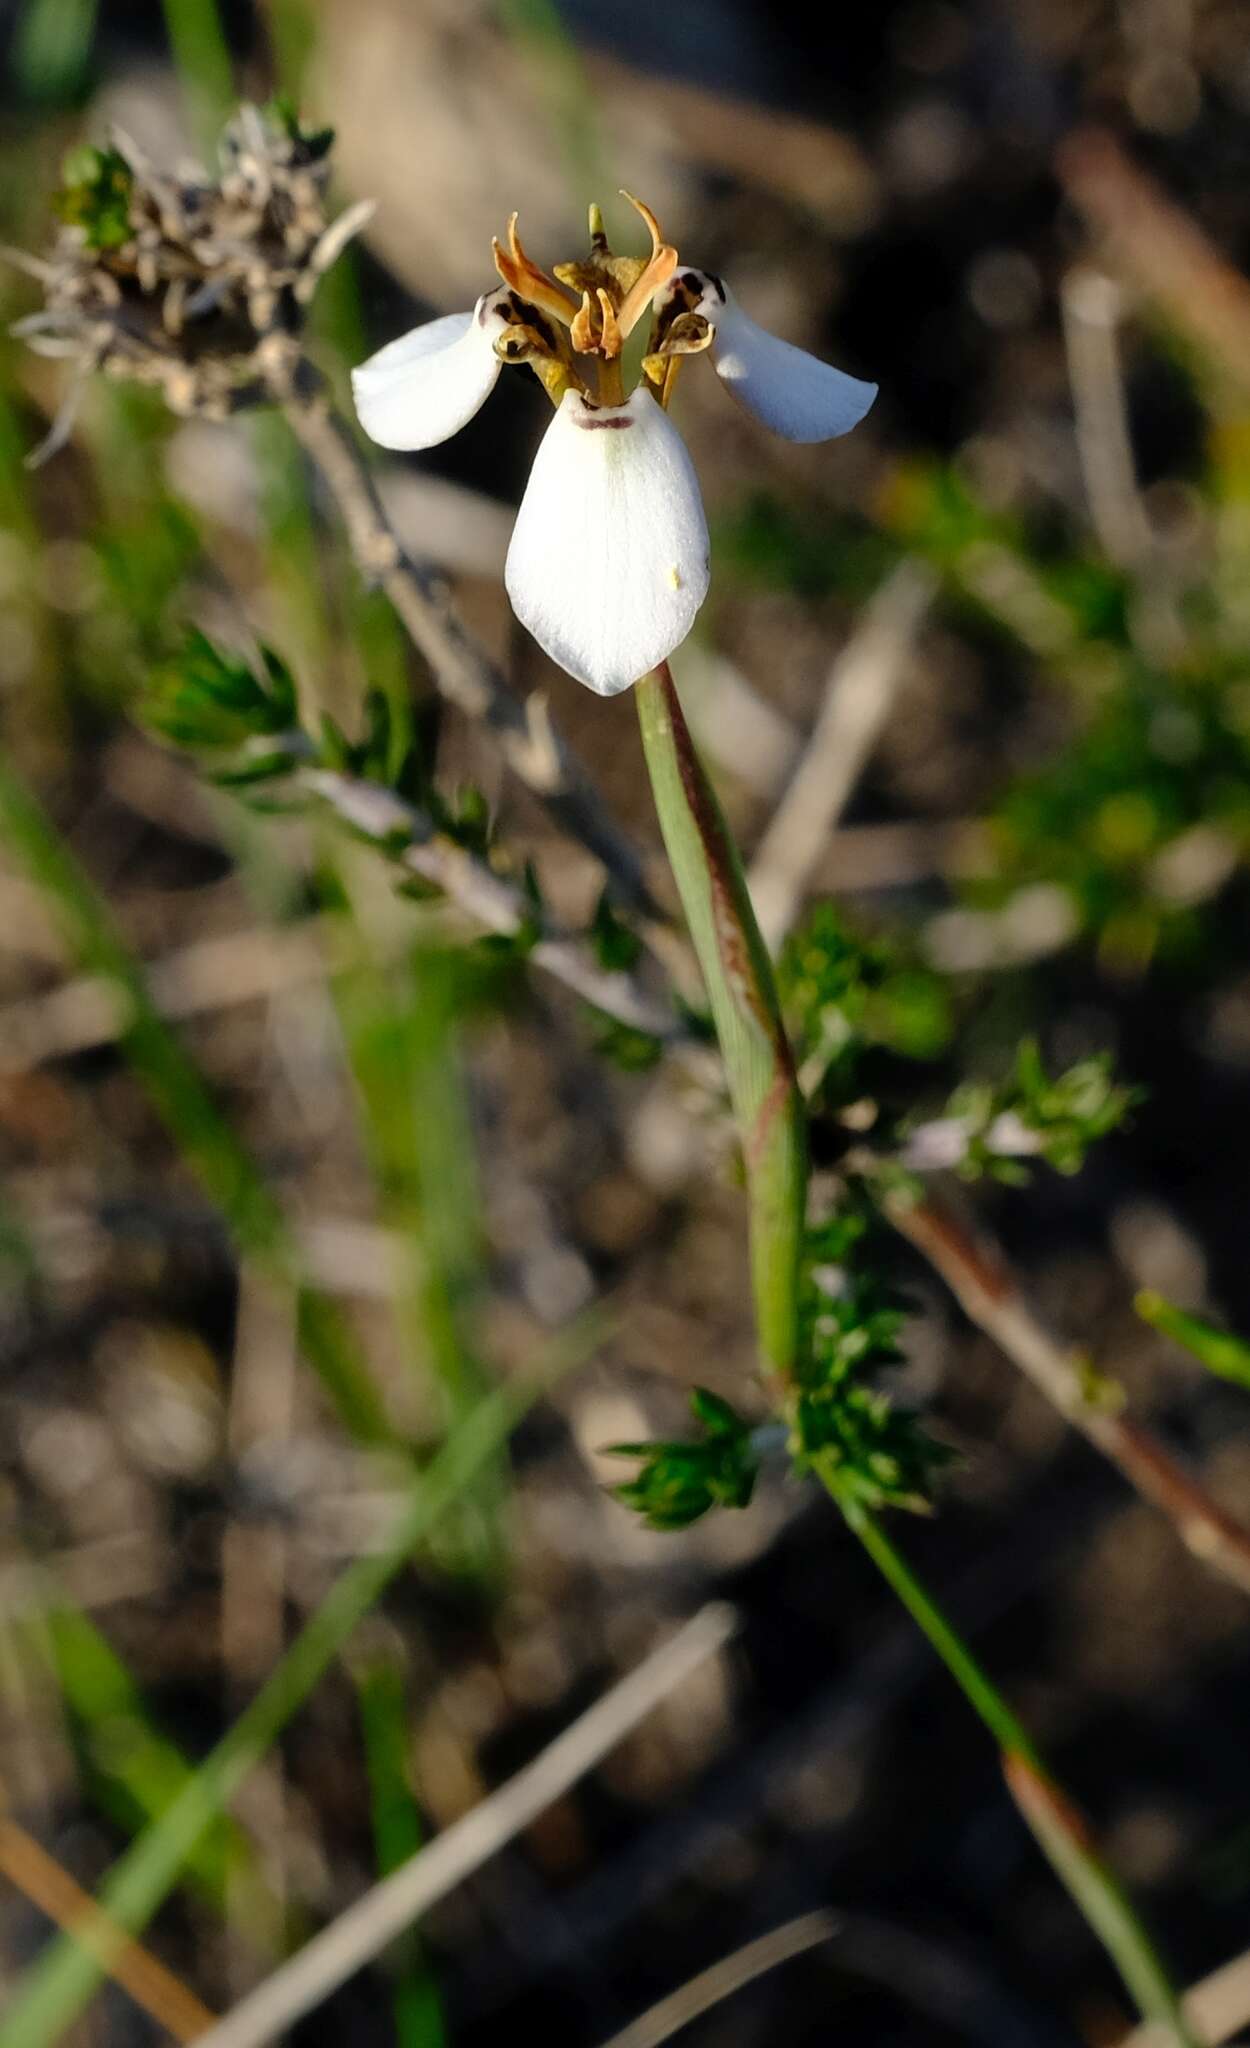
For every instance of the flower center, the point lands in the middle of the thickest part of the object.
(596, 300)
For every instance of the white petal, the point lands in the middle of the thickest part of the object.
(424, 387)
(783, 387)
(609, 558)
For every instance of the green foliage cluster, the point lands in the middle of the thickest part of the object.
(869, 1450)
(1030, 1114)
(1144, 811)
(846, 995)
(97, 186)
(1161, 747)
(220, 705)
(678, 1482)
(241, 718)
(1144, 814)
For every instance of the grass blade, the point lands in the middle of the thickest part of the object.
(1220, 1352)
(397, 1835)
(58, 1986)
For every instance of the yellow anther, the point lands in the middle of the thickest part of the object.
(609, 330)
(582, 327)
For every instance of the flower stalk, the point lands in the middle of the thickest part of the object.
(759, 1069)
(1057, 1825)
(769, 1111)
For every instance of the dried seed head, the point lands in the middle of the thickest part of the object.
(190, 283)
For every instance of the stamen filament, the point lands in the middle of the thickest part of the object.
(524, 277)
(662, 264)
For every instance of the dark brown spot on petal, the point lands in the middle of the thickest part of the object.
(592, 421)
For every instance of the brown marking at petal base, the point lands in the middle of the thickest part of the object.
(592, 422)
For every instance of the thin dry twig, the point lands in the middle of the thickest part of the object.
(669, 2015)
(1216, 2008)
(490, 899)
(1091, 305)
(1146, 238)
(981, 1280)
(153, 1987)
(862, 688)
(399, 1900)
(210, 973)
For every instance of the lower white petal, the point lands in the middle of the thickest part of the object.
(783, 387)
(609, 558)
(424, 387)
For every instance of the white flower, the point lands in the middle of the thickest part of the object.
(423, 388)
(609, 559)
(781, 386)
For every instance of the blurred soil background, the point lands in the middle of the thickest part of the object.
(1053, 825)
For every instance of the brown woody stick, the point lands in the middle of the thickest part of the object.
(41, 1879)
(1146, 238)
(982, 1282)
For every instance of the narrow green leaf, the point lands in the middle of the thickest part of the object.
(1218, 1350)
(52, 47)
(202, 59)
(397, 1835)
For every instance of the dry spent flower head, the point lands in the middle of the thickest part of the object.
(608, 564)
(189, 282)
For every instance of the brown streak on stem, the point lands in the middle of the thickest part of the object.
(731, 940)
(1042, 1802)
(770, 1108)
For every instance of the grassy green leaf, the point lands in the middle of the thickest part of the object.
(1218, 1350)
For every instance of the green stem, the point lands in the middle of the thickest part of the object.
(768, 1108)
(1057, 1825)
